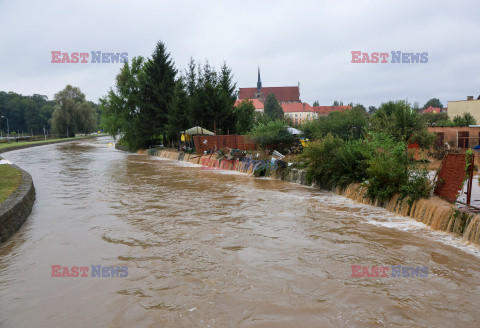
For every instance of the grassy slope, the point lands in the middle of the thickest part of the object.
(9, 181)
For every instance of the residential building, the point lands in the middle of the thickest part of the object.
(299, 113)
(465, 106)
(457, 136)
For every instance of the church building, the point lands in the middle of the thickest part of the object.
(285, 95)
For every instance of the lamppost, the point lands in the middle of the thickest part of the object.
(8, 129)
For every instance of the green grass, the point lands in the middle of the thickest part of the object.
(9, 181)
(22, 143)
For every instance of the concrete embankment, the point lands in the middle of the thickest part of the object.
(17, 207)
(434, 212)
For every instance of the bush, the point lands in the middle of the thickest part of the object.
(434, 118)
(399, 120)
(335, 162)
(392, 170)
(272, 135)
(347, 125)
(464, 120)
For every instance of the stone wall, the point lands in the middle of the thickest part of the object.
(17, 207)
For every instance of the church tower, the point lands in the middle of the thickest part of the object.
(259, 95)
(259, 82)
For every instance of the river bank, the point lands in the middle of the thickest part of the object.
(18, 203)
(434, 211)
(22, 145)
(16, 208)
(9, 179)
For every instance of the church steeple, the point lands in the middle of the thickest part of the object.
(259, 82)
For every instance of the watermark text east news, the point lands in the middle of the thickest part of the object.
(359, 271)
(84, 271)
(97, 57)
(397, 57)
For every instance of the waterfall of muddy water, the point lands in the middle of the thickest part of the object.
(206, 249)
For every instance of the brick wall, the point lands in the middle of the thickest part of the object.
(218, 142)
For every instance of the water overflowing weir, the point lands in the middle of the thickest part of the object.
(434, 212)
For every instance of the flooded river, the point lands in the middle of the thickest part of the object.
(211, 249)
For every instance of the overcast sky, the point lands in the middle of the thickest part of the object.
(306, 42)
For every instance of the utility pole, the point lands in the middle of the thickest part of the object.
(44, 132)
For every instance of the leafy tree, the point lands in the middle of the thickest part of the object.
(447, 122)
(72, 113)
(416, 107)
(121, 107)
(359, 107)
(469, 119)
(245, 116)
(399, 120)
(346, 125)
(261, 118)
(272, 135)
(372, 109)
(433, 118)
(316, 103)
(272, 108)
(434, 102)
(464, 120)
(32, 115)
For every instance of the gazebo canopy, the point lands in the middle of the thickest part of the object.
(293, 130)
(197, 130)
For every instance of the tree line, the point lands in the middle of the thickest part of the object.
(26, 114)
(152, 102)
(68, 113)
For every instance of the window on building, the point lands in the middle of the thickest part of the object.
(463, 139)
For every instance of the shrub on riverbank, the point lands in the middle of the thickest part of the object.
(350, 124)
(273, 134)
(335, 162)
(392, 170)
(379, 161)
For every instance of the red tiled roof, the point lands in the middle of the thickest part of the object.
(296, 107)
(432, 109)
(257, 103)
(325, 110)
(282, 93)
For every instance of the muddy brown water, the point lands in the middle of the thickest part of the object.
(207, 249)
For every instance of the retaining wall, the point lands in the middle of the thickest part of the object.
(17, 207)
